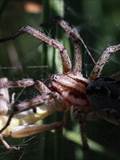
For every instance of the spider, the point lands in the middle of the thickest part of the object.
(69, 89)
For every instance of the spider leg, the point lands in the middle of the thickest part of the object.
(84, 135)
(41, 87)
(28, 130)
(82, 119)
(83, 123)
(40, 101)
(7, 146)
(4, 83)
(104, 58)
(44, 38)
(77, 40)
(74, 35)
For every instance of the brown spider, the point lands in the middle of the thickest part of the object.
(67, 90)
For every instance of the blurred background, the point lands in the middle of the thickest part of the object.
(98, 22)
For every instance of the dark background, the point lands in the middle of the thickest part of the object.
(99, 25)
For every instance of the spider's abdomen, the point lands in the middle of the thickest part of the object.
(104, 95)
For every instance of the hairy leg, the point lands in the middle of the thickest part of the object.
(44, 38)
(72, 32)
(104, 58)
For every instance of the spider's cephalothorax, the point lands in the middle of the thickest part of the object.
(66, 90)
(72, 88)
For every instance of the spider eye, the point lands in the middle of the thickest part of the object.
(54, 77)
